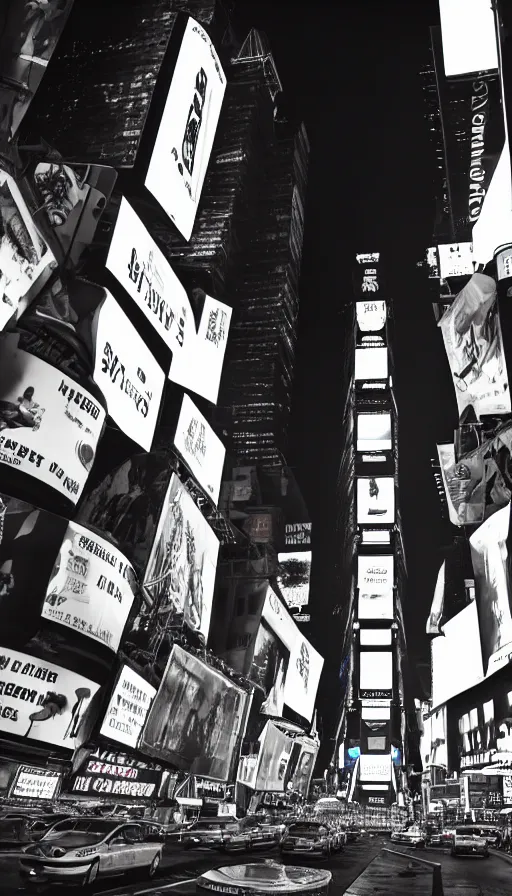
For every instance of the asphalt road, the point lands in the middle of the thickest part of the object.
(179, 870)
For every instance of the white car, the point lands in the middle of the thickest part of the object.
(84, 849)
(467, 843)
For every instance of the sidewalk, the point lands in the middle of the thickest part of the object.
(391, 874)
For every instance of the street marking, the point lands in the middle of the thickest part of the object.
(156, 889)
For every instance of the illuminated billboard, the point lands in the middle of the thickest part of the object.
(293, 576)
(371, 362)
(375, 767)
(455, 259)
(375, 500)
(184, 141)
(371, 315)
(376, 673)
(489, 555)
(469, 37)
(457, 656)
(375, 637)
(200, 448)
(374, 432)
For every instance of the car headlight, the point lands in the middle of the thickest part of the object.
(58, 852)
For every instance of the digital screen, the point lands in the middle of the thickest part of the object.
(376, 536)
(374, 432)
(469, 37)
(195, 721)
(181, 571)
(495, 217)
(374, 713)
(375, 767)
(375, 637)
(375, 573)
(35, 783)
(457, 656)
(371, 363)
(128, 708)
(371, 315)
(376, 672)
(200, 448)
(273, 758)
(376, 743)
(184, 141)
(199, 366)
(293, 574)
(376, 500)
(489, 555)
(455, 259)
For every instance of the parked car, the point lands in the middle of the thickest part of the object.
(216, 833)
(467, 843)
(352, 832)
(413, 836)
(88, 849)
(441, 838)
(487, 831)
(311, 838)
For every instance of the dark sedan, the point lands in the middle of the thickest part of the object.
(311, 838)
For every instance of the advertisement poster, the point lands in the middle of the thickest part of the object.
(371, 316)
(200, 448)
(375, 500)
(127, 374)
(293, 575)
(376, 673)
(40, 701)
(49, 425)
(30, 32)
(464, 485)
(366, 275)
(376, 606)
(35, 783)
(285, 664)
(128, 708)
(92, 587)
(26, 261)
(374, 432)
(472, 338)
(375, 767)
(141, 268)
(184, 141)
(273, 758)
(297, 534)
(301, 778)
(247, 770)
(455, 259)
(196, 718)
(469, 37)
(114, 779)
(180, 575)
(489, 555)
(371, 362)
(199, 366)
(375, 574)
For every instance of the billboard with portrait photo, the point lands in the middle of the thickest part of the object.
(181, 152)
(197, 718)
(269, 669)
(180, 575)
(491, 566)
(273, 758)
(303, 772)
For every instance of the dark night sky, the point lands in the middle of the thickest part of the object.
(350, 69)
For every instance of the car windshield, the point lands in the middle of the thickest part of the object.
(306, 828)
(76, 839)
(467, 832)
(97, 826)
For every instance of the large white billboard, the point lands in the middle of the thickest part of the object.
(376, 606)
(41, 701)
(457, 657)
(375, 500)
(50, 426)
(127, 374)
(375, 637)
(371, 363)
(200, 448)
(143, 271)
(375, 573)
(184, 141)
(199, 367)
(298, 668)
(489, 554)
(455, 259)
(92, 587)
(469, 37)
(494, 226)
(374, 432)
(371, 315)
(376, 673)
(473, 342)
(128, 708)
(180, 575)
(375, 767)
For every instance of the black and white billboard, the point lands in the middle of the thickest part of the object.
(200, 448)
(293, 575)
(489, 554)
(37, 402)
(127, 373)
(180, 575)
(469, 37)
(473, 342)
(199, 367)
(376, 673)
(371, 362)
(455, 260)
(35, 783)
(184, 141)
(26, 261)
(375, 767)
(92, 587)
(464, 485)
(273, 758)
(42, 701)
(141, 268)
(375, 500)
(196, 719)
(116, 779)
(374, 432)
(128, 708)
(371, 315)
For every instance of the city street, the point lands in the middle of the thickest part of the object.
(353, 870)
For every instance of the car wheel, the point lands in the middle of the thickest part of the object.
(92, 873)
(155, 865)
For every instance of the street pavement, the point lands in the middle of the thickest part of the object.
(359, 870)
